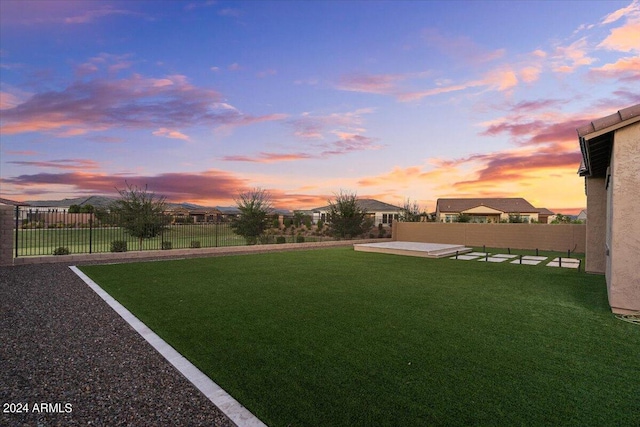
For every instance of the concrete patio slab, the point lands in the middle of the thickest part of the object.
(418, 249)
(504, 256)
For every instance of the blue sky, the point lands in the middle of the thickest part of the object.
(391, 100)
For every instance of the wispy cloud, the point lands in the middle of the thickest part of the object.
(135, 102)
(567, 59)
(68, 164)
(91, 16)
(460, 47)
(170, 133)
(346, 143)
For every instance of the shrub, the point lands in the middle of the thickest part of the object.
(119, 246)
(281, 239)
(166, 245)
(195, 244)
(61, 251)
(299, 239)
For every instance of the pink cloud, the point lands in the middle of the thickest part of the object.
(567, 59)
(135, 102)
(625, 69)
(169, 133)
(385, 84)
(461, 48)
(68, 164)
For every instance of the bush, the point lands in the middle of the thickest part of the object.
(166, 245)
(119, 246)
(61, 251)
(195, 244)
(299, 239)
(281, 239)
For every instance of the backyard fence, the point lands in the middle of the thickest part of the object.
(40, 232)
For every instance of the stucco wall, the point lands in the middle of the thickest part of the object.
(624, 275)
(595, 261)
(555, 237)
(7, 224)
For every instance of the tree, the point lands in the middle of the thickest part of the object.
(140, 212)
(463, 218)
(346, 218)
(255, 214)
(410, 212)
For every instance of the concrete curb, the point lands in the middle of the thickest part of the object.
(237, 413)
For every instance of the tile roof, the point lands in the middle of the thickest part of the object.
(370, 205)
(8, 202)
(514, 205)
(609, 121)
(596, 140)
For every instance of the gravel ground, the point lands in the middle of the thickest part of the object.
(61, 345)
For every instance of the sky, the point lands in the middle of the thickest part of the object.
(201, 100)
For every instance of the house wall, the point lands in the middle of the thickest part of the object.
(595, 258)
(623, 276)
(556, 237)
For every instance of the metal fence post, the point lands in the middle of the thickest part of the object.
(17, 225)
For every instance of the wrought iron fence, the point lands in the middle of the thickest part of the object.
(47, 232)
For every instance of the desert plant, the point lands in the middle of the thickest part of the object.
(61, 251)
(299, 239)
(140, 212)
(281, 239)
(346, 218)
(255, 209)
(119, 246)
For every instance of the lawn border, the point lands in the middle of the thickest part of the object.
(237, 413)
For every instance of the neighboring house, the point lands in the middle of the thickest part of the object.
(490, 210)
(380, 212)
(582, 216)
(7, 202)
(610, 149)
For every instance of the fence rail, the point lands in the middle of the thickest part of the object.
(42, 232)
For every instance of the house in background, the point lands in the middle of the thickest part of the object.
(380, 212)
(486, 210)
(610, 149)
(582, 216)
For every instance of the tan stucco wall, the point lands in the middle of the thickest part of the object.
(595, 260)
(554, 237)
(624, 276)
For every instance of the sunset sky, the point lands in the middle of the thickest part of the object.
(200, 100)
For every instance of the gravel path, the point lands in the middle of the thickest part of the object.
(61, 345)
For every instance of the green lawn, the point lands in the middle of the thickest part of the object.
(335, 337)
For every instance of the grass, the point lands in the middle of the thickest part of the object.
(45, 241)
(334, 337)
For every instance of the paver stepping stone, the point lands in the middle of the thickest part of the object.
(534, 258)
(479, 253)
(493, 259)
(566, 263)
(465, 257)
(504, 256)
(527, 261)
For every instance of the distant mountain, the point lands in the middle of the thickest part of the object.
(98, 202)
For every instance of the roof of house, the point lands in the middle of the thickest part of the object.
(369, 205)
(8, 202)
(596, 140)
(545, 211)
(507, 205)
